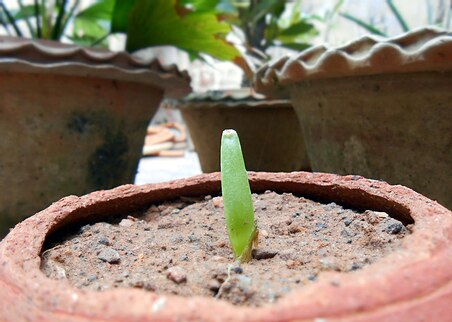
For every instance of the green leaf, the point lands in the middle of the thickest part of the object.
(156, 23)
(200, 5)
(101, 10)
(296, 46)
(297, 29)
(238, 205)
(370, 28)
(121, 11)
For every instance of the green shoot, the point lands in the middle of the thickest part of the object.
(238, 205)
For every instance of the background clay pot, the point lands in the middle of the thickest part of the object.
(269, 131)
(72, 120)
(378, 108)
(411, 284)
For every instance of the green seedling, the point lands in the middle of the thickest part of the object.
(238, 205)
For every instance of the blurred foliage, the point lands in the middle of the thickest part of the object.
(443, 20)
(170, 22)
(51, 20)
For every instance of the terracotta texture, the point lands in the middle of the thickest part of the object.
(72, 121)
(412, 284)
(377, 108)
(422, 50)
(269, 131)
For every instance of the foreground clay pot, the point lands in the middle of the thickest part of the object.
(377, 108)
(269, 131)
(72, 120)
(411, 284)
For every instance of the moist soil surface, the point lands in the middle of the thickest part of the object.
(181, 247)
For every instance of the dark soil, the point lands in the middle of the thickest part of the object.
(181, 247)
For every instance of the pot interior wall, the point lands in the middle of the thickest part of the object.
(67, 135)
(394, 127)
(270, 136)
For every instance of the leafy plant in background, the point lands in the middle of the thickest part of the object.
(170, 22)
(263, 24)
(238, 205)
(51, 20)
(371, 28)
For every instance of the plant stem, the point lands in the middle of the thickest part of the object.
(398, 16)
(57, 30)
(69, 16)
(11, 19)
(27, 20)
(99, 40)
(38, 21)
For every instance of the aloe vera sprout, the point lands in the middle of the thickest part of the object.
(238, 205)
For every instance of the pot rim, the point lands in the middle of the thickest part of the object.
(244, 97)
(51, 57)
(415, 281)
(423, 49)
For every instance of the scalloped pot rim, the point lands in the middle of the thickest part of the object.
(47, 57)
(413, 283)
(425, 49)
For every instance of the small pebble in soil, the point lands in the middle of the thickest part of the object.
(109, 255)
(263, 254)
(348, 221)
(394, 228)
(238, 270)
(177, 274)
(103, 240)
(126, 223)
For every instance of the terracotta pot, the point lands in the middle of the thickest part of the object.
(378, 108)
(72, 120)
(413, 283)
(269, 131)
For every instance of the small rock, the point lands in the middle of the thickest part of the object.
(330, 263)
(348, 221)
(312, 277)
(208, 197)
(381, 214)
(394, 228)
(92, 278)
(263, 232)
(85, 228)
(220, 244)
(126, 223)
(354, 267)
(146, 285)
(109, 255)
(103, 240)
(296, 215)
(319, 226)
(263, 254)
(177, 274)
(238, 270)
(294, 229)
(217, 202)
(213, 285)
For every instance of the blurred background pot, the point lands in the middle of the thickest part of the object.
(269, 131)
(72, 120)
(375, 107)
